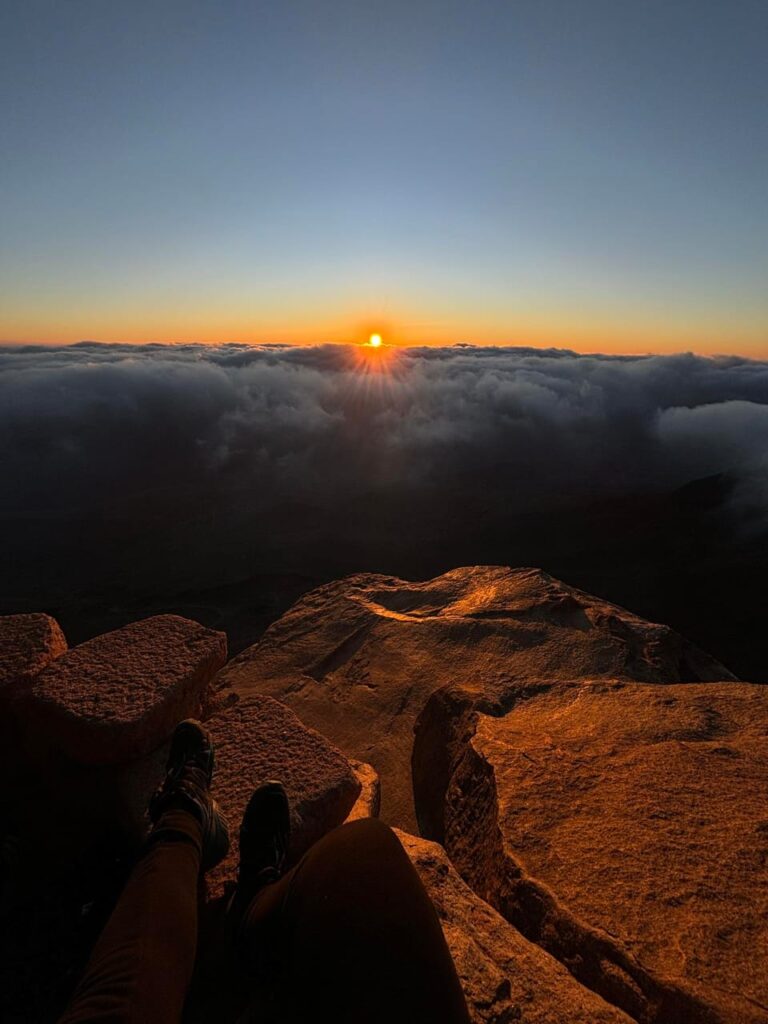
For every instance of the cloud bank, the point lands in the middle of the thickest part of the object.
(134, 466)
(91, 425)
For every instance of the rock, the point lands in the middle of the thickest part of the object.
(132, 786)
(118, 696)
(358, 658)
(258, 739)
(368, 803)
(504, 976)
(27, 644)
(622, 826)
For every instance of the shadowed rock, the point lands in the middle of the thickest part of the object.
(505, 977)
(258, 739)
(27, 644)
(622, 826)
(118, 696)
(358, 658)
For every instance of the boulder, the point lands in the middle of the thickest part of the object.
(358, 658)
(258, 739)
(504, 976)
(622, 826)
(118, 696)
(27, 644)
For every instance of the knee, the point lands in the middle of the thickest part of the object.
(371, 833)
(360, 868)
(365, 845)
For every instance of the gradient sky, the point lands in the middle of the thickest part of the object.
(591, 174)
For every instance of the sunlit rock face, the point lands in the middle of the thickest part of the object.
(505, 977)
(358, 658)
(368, 803)
(622, 826)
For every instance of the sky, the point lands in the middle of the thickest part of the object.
(591, 174)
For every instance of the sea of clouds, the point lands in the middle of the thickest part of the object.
(89, 423)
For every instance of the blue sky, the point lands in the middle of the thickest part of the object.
(585, 173)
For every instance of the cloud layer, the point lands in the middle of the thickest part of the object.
(91, 426)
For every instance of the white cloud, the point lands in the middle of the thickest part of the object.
(83, 423)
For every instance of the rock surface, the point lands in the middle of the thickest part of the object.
(357, 659)
(27, 644)
(118, 696)
(612, 832)
(622, 826)
(258, 739)
(505, 977)
(368, 804)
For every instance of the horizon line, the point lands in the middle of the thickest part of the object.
(531, 348)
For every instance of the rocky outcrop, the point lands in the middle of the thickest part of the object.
(505, 977)
(27, 644)
(258, 739)
(357, 659)
(611, 831)
(118, 696)
(622, 826)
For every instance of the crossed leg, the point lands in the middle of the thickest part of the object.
(350, 935)
(141, 967)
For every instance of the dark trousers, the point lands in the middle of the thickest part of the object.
(348, 935)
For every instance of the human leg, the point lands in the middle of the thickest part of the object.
(141, 967)
(350, 934)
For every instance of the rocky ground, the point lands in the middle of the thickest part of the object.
(357, 659)
(583, 792)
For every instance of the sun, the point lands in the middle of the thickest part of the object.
(376, 359)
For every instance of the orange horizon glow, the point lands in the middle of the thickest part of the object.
(581, 337)
(414, 320)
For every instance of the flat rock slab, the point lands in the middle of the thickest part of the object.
(358, 658)
(27, 644)
(624, 827)
(258, 739)
(505, 977)
(120, 695)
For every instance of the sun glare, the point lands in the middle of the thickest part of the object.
(376, 360)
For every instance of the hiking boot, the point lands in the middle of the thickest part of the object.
(186, 786)
(264, 836)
